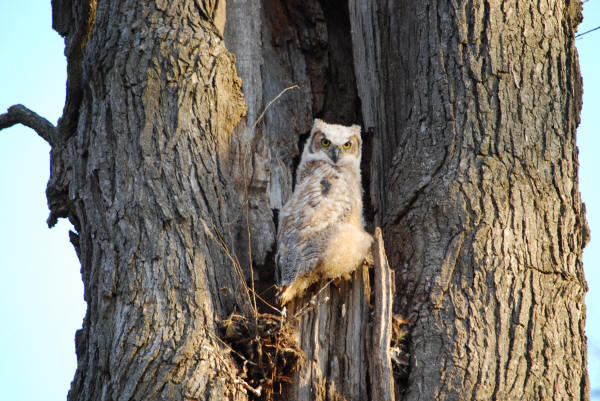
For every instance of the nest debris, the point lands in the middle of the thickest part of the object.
(265, 350)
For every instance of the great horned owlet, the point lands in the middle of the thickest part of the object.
(321, 230)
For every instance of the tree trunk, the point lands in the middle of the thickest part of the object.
(475, 107)
(173, 179)
(146, 179)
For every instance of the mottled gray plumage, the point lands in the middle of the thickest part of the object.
(321, 231)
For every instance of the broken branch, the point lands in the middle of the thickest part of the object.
(20, 114)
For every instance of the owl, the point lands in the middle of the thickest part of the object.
(321, 232)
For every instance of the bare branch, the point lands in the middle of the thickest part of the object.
(20, 114)
(272, 101)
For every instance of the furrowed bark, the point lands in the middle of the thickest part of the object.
(480, 102)
(145, 179)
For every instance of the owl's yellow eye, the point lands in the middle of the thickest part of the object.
(325, 142)
(347, 145)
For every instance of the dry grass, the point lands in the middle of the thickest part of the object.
(267, 353)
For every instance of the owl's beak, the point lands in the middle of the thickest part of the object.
(334, 153)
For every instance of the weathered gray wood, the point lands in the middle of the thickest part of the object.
(335, 337)
(380, 364)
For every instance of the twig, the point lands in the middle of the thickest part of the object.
(216, 236)
(586, 32)
(247, 207)
(312, 304)
(228, 346)
(267, 303)
(20, 114)
(236, 380)
(272, 101)
(256, 391)
(255, 310)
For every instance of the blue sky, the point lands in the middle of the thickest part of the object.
(588, 142)
(41, 294)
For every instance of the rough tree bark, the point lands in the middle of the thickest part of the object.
(469, 110)
(475, 107)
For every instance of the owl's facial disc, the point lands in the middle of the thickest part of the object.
(337, 147)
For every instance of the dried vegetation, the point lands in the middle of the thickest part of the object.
(265, 350)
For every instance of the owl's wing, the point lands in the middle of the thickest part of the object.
(306, 222)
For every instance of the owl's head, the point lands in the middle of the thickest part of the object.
(337, 144)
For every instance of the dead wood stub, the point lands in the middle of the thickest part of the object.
(347, 337)
(353, 344)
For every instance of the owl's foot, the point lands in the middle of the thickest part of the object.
(294, 290)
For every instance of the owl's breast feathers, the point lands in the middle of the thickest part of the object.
(325, 211)
(325, 186)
